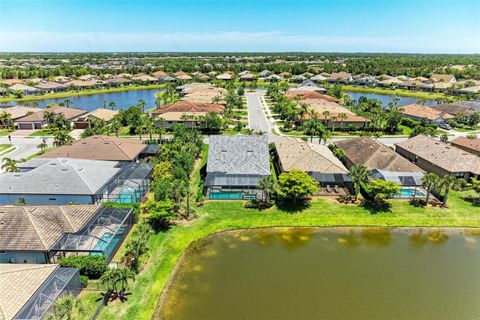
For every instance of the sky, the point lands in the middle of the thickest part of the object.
(411, 26)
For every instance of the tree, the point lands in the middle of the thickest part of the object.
(162, 170)
(448, 183)
(335, 91)
(430, 181)
(115, 282)
(10, 165)
(342, 117)
(312, 126)
(268, 186)
(67, 103)
(358, 174)
(160, 213)
(476, 187)
(296, 185)
(62, 138)
(141, 104)
(42, 145)
(66, 308)
(444, 138)
(6, 120)
(211, 122)
(112, 105)
(381, 190)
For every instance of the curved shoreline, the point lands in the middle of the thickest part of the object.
(340, 229)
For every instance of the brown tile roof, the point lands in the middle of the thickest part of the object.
(180, 116)
(102, 114)
(443, 155)
(442, 77)
(472, 145)
(19, 111)
(310, 95)
(340, 76)
(375, 155)
(68, 113)
(18, 282)
(99, 148)
(159, 74)
(421, 111)
(189, 106)
(297, 154)
(46, 85)
(39, 228)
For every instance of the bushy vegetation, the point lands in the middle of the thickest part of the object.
(91, 266)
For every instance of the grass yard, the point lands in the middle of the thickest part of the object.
(167, 247)
(5, 132)
(4, 146)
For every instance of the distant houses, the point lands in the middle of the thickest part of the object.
(235, 166)
(421, 112)
(38, 120)
(440, 158)
(186, 112)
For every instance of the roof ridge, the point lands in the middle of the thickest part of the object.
(34, 228)
(80, 177)
(66, 217)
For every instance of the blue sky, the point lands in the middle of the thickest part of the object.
(427, 26)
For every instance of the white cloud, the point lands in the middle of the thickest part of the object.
(227, 41)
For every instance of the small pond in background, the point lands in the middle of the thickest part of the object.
(293, 273)
(385, 98)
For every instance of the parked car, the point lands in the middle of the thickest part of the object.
(445, 126)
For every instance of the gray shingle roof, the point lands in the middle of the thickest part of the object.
(239, 155)
(60, 176)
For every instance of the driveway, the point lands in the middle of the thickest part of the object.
(75, 133)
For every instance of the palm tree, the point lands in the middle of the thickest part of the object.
(323, 134)
(104, 103)
(430, 181)
(312, 126)
(43, 145)
(358, 174)
(142, 105)
(326, 114)
(62, 138)
(112, 105)
(67, 103)
(66, 308)
(333, 119)
(10, 165)
(342, 116)
(267, 185)
(449, 182)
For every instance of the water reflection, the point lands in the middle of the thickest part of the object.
(369, 237)
(421, 238)
(288, 238)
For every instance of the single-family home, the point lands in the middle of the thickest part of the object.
(273, 78)
(315, 159)
(467, 144)
(440, 158)
(342, 77)
(24, 89)
(224, 76)
(447, 78)
(37, 120)
(420, 112)
(461, 108)
(106, 115)
(184, 111)
(103, 148)
(44, 234)
(29, 291)
(298, 78)
(17, 112)
(235, 166)
(59, 181)
(383, 163)
(51, 86)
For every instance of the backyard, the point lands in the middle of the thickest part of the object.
(167, 247)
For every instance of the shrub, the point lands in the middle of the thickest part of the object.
(84, 281)
(91, 266)
(409, 122)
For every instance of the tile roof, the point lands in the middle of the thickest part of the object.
(19, 111)
(374, 155)
(442, 77)
(102, 114)
(18, 282)
(189, 106)
(310, 95)
(239, 154)
(309, 157)
(443, 155)
(472, 145)
(68, 113)
(99, 148)
(59, 176)
(29, 228)
(421, 111)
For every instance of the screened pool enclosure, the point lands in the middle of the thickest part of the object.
(410, 182)
(62, 282)
(102, 236)
(129, 186)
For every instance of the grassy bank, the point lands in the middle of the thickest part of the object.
(167, 247)
(85, 92)
(4, 146)
(397, 92)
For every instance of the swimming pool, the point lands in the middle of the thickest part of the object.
(410, 193)
(226, 195)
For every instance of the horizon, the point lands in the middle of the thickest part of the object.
(216, 26)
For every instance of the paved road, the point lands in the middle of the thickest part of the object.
(25, 147)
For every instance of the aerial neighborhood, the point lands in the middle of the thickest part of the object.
(107, 175)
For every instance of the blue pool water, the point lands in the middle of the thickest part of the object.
(410, 193)
(225, 195)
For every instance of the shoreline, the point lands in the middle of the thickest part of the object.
(87, 92)
(395, 92)
(339, 229)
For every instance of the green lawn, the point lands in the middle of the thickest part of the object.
(5, 132)
(4, 146)
(167, 247)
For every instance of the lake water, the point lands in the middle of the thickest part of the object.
(126, 99)
(330, 274)
(385, 99)
(123, 100)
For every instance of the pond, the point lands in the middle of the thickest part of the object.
(293, 273)
(385, 98)
(122, 99)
